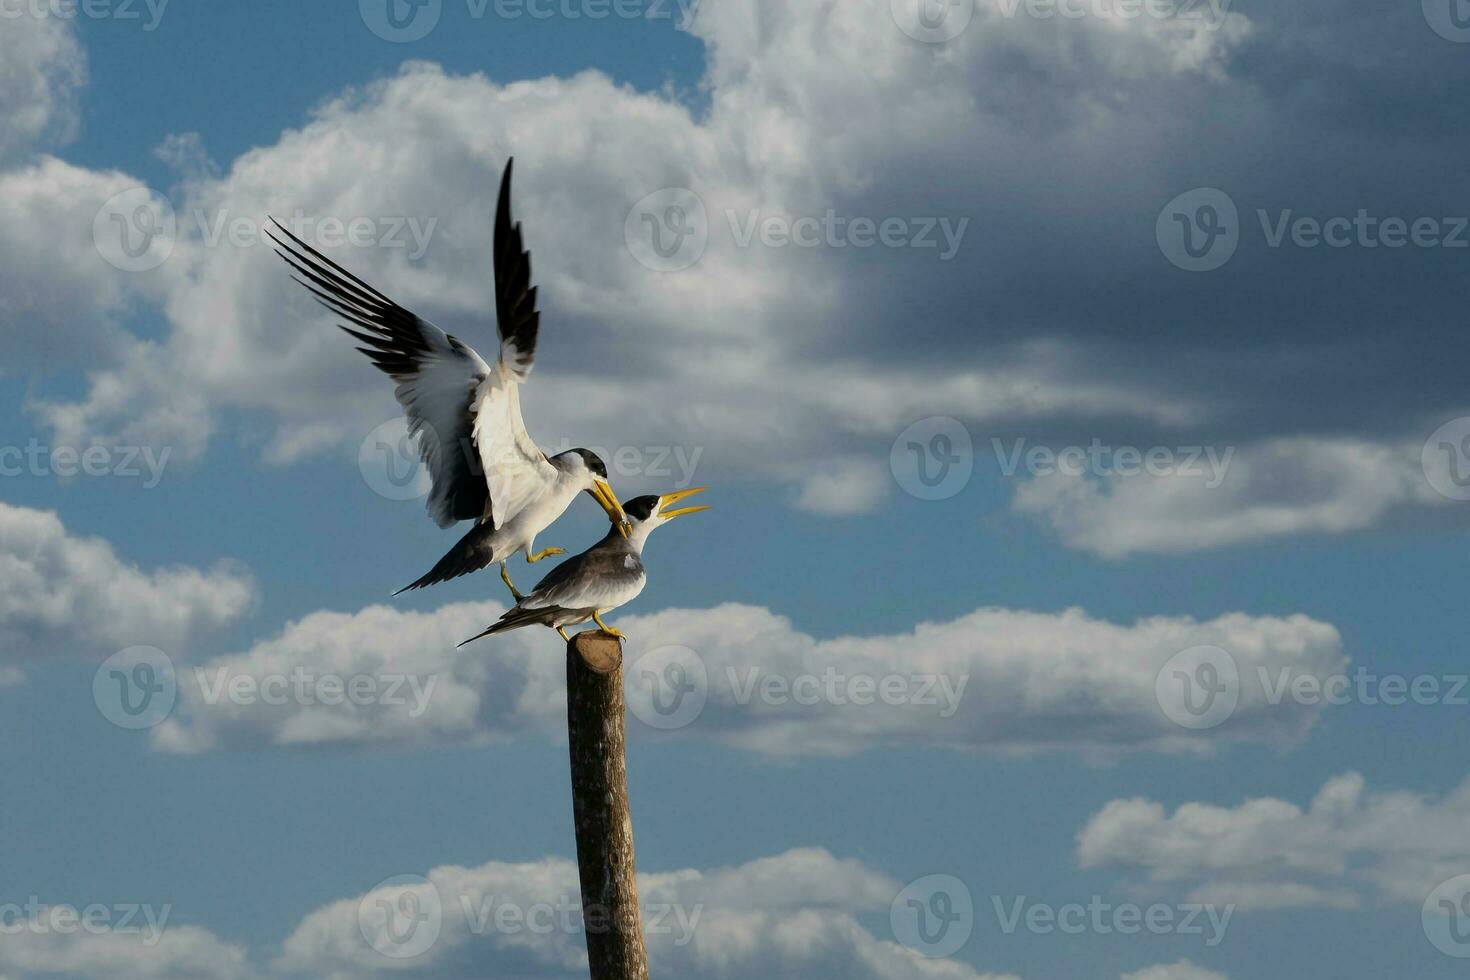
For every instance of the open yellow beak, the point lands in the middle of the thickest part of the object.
(602, 492)
(669, 499)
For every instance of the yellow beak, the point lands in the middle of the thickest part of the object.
(602, 492)
(673, 498)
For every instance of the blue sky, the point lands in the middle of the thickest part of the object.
(790, 363)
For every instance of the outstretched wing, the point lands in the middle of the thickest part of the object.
(516, 470)
(439, 378)
(515, 297)
(482, 462)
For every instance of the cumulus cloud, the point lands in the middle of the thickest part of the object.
(1348, 844)
(1259, 492)
(1056, 139)
(63, 594)
(61, 300)
(796, 914)
(48, 946)
(423, 689)
(711, 357)
(42, 69)
(993, 680)
(136, 403)
(721, 355)
(791, 915)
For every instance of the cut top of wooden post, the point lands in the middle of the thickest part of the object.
(601, 652)
(600, 811)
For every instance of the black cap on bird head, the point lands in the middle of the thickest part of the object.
(652, 510)
(596, 486)
(594, 462)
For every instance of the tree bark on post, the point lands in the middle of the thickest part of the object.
(604, 824)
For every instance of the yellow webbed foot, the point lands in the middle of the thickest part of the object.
(544, 553)
(610, 631)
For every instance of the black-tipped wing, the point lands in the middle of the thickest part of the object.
(439, 378)
(515, 297)
(516, 470)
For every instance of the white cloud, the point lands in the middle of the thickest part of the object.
(707, 357)
(1016, 680)
(992, 680)
(733, 356)
(1346, 845)
(796, 914)
(61, 298)
(722, 356)
(469, 695)
(844, 488)
(1281, 487)
(1182, 970)
(137, 403)
(32, 949)
(41, 70)
(791, 915)
(62, 594)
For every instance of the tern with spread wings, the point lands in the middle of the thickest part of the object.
(465, 412)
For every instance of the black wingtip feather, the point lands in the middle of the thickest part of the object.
(397, 343)
(505, 184)
(515, 297)
(326, 265)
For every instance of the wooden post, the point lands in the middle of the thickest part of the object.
(610, 911)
